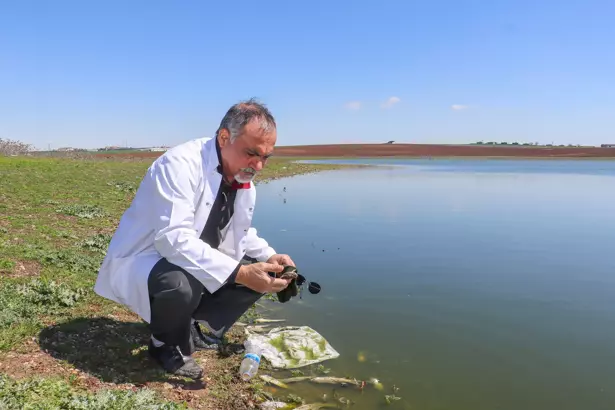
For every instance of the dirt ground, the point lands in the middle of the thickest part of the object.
(418, 150)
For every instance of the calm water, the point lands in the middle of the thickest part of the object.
(468, 284)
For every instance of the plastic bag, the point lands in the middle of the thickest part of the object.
(290, 347)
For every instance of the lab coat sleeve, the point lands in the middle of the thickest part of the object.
(257, 247)
(172, 201)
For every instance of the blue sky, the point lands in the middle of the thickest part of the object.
(95, 73)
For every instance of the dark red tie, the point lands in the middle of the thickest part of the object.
(239, 185)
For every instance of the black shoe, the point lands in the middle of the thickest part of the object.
(174, 362)
(202, 341)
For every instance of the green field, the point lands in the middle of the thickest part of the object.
(61, 345)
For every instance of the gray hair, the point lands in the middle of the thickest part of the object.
(240, 114)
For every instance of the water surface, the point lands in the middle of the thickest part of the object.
(469, 284)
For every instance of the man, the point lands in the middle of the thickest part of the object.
(185, 253)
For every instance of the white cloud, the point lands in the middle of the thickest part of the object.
(391, 101)
(459, 107)
(353, 105)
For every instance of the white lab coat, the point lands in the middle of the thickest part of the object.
(166, 218)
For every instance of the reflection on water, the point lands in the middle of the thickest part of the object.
(467, 288)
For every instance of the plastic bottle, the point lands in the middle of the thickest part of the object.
(250, 362)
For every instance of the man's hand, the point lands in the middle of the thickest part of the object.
(256, 277)
(281, 259)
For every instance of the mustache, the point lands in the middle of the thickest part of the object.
(248, 170)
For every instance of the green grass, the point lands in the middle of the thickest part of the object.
(6, 265)
(58, 217)
(55, 393)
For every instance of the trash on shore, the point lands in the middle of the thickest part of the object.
(291, 347)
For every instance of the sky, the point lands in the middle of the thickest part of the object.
(137, 73)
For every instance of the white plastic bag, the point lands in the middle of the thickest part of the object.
(290, 347)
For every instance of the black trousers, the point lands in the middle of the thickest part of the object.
(177, 297)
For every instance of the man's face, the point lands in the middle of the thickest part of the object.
(248, 155)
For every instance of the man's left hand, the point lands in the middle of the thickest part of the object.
(281, 259)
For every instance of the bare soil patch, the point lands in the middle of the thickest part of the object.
(23, 269)
(103, 352)
(32, 360)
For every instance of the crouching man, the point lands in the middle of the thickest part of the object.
(184, 254)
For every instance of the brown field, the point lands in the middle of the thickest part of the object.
(429, 150)
(418, 150)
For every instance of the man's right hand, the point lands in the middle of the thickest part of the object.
(256, 277)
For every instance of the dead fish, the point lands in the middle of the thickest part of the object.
(316, 406)
(377, 384)
(344, 400)
(391, 398)
(296, 379)
(266, 395)
(335, 380)
(261, 320)
(273, 380)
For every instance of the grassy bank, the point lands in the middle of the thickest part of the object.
(61, 345)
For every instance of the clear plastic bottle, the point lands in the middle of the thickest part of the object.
(250, 362)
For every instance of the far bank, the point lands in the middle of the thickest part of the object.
(408, 151)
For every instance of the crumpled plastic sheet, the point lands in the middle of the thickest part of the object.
(291, 347)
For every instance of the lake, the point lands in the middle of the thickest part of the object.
(468, 284)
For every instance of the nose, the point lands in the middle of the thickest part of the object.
(258, 164)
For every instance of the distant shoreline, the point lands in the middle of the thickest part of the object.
(461, 158)
(423, 151)
(441, 151)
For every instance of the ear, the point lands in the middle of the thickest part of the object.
(224, 137)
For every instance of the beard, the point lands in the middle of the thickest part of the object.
(245, 175)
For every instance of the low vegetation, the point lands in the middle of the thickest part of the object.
(11, 147)
(61, 345)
